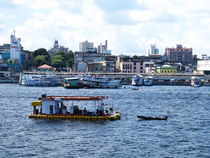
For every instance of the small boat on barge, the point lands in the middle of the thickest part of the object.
(52, 107)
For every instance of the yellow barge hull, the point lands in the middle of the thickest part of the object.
(88, 118)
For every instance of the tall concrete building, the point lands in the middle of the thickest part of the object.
(179, 55)
(153, 50)
(57, 48)
(15, 47)
(103, 48)
(87, 47)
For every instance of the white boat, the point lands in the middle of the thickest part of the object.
(137, 80)
(195, 81)
(99, 82)
(148, 81)
(40, 80)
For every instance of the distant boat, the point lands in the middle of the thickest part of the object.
(137, 80)
(136, 88)
(148, 81)
(195, 81)
(152, 118)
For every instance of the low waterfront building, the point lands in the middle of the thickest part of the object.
(166, 69)
(45, 68)
(106, 61)
(129, 65)
(203, 67)
(5, 48)
(149, 67)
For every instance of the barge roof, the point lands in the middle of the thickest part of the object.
(75, 97)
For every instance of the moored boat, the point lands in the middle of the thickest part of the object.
(42, 80)
(99, 82)
(148, 81)
(137, 80)
(195, 81)
(56, 107)
(73, 82)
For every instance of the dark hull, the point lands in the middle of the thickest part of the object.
(152, 118)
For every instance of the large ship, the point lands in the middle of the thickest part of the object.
(58, 107)
(100, 82)
(42, 80)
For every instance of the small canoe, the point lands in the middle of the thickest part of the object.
(152, 118)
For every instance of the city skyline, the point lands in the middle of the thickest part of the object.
(130, 26)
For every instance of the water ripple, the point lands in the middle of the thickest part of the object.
(184, 134)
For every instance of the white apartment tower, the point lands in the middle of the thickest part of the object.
(86, 47)
(15, 47)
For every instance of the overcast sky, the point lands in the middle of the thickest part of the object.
(130, 26)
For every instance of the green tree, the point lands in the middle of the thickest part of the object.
(61, 54)
(57, 62)
(70, 54)
(40, 51)
(69, 59)
(40, 60)
(135, 57)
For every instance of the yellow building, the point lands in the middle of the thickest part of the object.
(166, 69)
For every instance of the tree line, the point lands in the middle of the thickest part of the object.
(60, 60)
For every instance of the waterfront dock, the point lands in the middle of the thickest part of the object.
(174, 79)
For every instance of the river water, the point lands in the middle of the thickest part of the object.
(186, 133)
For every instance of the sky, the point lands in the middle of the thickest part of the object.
(130, 26)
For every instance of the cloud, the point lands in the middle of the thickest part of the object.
(128, 25)
(116, 5)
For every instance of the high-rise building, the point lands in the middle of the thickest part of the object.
(153, 50)
(15, 47)
(87, 47)
(179, 55)
(103, 48)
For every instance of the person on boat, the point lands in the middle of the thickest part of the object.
(64, 110)
(85, 111)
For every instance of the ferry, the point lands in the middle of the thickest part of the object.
(58, 107)
(42, 80)
(195, 81)
(99, 82)
(137, 80)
